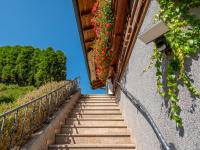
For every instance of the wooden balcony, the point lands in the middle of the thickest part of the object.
(128, 17)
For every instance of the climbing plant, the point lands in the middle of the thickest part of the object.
(184, 40)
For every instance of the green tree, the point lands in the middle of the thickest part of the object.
(6, 74)
(25, 65)
(60, 67)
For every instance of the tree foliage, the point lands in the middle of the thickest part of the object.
(25, 65)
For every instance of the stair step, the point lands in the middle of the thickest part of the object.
(93, 138)
(96, 107)
(98, 99)
(96, 110)
(94, 121)
(92, 147)
(91, 129)
(95, 115)
(97, 119)
(99, 95)
(96, 104)
(93, 101)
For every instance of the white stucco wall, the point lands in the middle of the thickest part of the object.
(143, 87)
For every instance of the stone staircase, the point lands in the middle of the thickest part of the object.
(95, 123)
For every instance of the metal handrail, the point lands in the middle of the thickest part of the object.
(148, 117)
(18, 124)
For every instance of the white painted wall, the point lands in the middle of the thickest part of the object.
(143, 87)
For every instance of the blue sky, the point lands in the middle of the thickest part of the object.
(44, 23)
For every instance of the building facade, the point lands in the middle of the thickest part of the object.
(133, 18)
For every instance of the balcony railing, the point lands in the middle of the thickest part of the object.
(17, 125)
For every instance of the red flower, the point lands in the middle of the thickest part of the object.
(97, 70)
(107, 33)
(94, 8)
(108, 25)
(105, 49)
(96, 32)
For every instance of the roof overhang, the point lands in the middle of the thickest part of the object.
(87, 36)
(128, 19)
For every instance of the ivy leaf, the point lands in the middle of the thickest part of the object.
(177, 119)
(170, 84)
(175, 108)
(162, 94)
(158, 73)
(173, 99)
(191, 41)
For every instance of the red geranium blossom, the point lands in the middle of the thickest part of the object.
(94, 8)
(102, 25)
(108, 25)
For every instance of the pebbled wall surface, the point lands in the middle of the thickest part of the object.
(143, 87)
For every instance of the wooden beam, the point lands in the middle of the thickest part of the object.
(90, 27)
(89, 40)
(85, 13)
(89, 49)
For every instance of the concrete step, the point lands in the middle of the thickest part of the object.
(83, 110)
(95, 115)
(93, 138)
(92, 147)
(98, 99)
(95, 121)
(91, 129)
(96, 103)
(98, 96)
(97, 107)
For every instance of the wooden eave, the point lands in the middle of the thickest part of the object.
(128, 19)
(83, 14)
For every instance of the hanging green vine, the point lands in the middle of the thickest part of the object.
(184, 40)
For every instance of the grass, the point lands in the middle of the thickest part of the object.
(10, 93)
(12, 96)
(27, 125)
